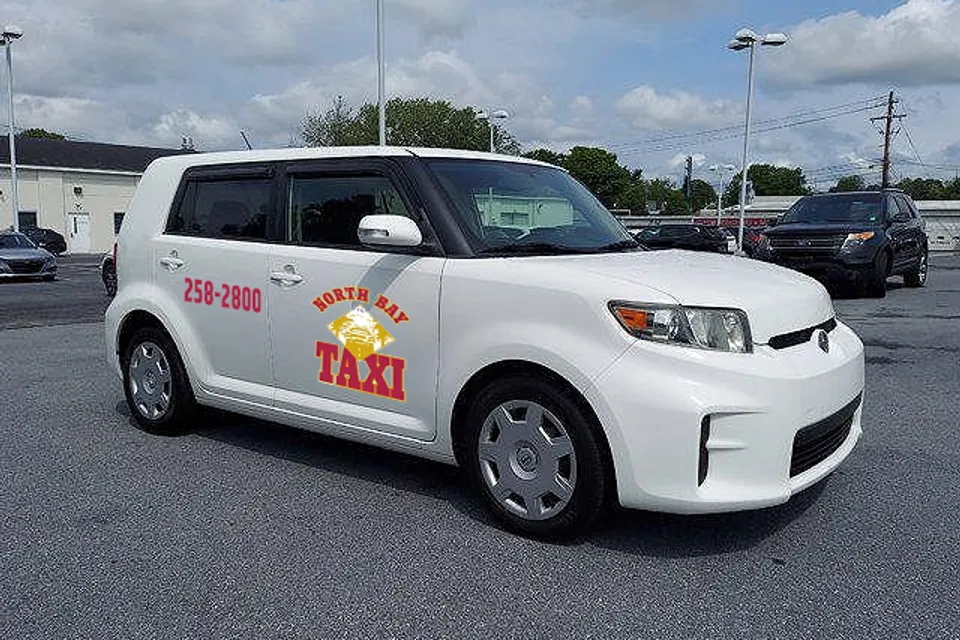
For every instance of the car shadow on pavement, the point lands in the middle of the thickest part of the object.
(634, 532)
(663, 535)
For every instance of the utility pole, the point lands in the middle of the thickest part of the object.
(887, 136)
(688, 188)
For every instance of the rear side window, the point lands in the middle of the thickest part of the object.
(906, 207)
(236, 208)
(326, 210)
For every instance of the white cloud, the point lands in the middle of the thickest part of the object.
(648, 110)
(914, 44)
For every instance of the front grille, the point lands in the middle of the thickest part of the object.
(806, 247)
(814, 444)
(25, 267)
(792, 339)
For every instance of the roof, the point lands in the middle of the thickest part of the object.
(319, 153)
(74, 154)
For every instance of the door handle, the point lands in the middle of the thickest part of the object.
(172, 263)
(288, 276)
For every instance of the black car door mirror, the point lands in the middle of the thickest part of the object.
(900, 218)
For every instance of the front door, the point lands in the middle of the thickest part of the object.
(354, 330)
(210, 265)
(79, 232)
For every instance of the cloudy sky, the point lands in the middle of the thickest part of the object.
(645, 78)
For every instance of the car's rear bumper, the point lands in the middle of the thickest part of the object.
(698, 432)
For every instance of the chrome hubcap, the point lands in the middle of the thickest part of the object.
(151, 385)
(527, 460)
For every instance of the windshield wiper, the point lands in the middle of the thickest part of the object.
(619, 245)
(546, 248)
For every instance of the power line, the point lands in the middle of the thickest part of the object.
(733, 133)
(678, 139)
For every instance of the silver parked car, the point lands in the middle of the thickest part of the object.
(21, 258)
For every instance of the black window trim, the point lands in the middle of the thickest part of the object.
(233, 171)
(379, 166)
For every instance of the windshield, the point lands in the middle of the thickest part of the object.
(15, 241)
(509, 208)
(838, 208)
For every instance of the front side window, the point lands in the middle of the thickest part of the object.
(233, 208)
(326, 210)
(510, 208)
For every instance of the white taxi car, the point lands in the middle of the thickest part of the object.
(479, 310)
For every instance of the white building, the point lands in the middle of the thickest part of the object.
(78, 189)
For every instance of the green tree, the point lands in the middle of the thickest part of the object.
(40, 133)
(546, 155)
(599, 170)
(665, 197)
(849, 183)
(952, 189)
(416, 122)
(923, 188)
(702, 195)
(769, 180)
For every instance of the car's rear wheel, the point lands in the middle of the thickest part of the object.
(535, 457)
(917, 277)
(876, 277)
(156, 384)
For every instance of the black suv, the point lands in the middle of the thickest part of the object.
(861, 237)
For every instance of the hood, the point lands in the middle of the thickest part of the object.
(24, 253)
(777, 300)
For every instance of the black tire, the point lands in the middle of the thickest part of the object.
(180, 408)
(875, 280)
(110, 280)
(589, 461)
(917, 277)
(49, 278)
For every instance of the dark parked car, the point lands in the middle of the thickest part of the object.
(693, 237)
(108, 273)
(859, 237)
(21, 258)
(47, 239)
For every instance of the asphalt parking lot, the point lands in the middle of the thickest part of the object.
(251, 530)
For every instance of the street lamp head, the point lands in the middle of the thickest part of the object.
(500, 114)
(775, 39)
(746, 36)
(11, 32)
(736, 45)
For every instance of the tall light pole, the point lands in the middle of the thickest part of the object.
(748, 39)
(11, 33)
(719, 170)
(381, 84)
(499, 114)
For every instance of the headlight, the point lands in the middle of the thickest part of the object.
(4, 267)
(704, 328)
(764, 243)
(855, 240)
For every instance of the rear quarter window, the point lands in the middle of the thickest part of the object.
(236, 208)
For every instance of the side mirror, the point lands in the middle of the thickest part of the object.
(389, 231)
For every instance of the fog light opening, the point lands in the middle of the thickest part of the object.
(704, 464)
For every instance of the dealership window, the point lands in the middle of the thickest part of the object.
(117, 221)
(27, 219)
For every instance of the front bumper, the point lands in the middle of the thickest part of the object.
(26, 270)
(655, 401)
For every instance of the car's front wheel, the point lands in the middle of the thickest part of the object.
(917, 277)
(535, 457)
(156, 385)
(875, 280)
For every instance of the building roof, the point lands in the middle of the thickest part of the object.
(74, 154)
